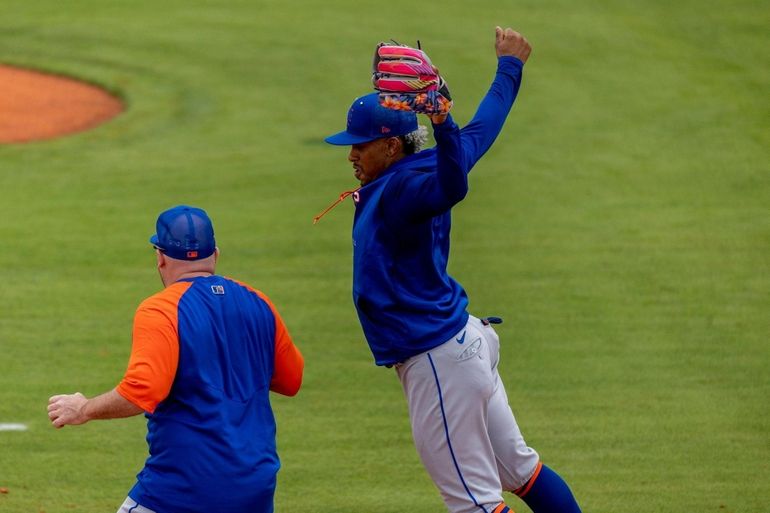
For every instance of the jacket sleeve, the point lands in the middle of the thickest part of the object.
(483, 129)
(419, 195)
(424, 195)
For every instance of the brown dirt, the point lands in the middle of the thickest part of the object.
(36, 106)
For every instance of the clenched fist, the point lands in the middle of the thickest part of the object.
(508, 42)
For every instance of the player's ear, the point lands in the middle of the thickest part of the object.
(216, 255)
(395, 146)
(161, 258)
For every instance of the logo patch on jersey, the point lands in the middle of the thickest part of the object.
(470, 351)
(219, 290)
(460, 340)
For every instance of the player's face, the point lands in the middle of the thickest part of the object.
(371, 158)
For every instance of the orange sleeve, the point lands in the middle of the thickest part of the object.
(289, 363)
(154, 350)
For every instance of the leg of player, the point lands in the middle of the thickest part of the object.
(448, 389)
(520, 470)
(516, 461)
(548, 493)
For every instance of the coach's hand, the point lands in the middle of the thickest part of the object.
(508, 42)
(67, 410)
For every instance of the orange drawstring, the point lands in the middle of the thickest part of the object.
(339, 200)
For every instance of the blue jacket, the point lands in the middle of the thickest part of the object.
(406, 301)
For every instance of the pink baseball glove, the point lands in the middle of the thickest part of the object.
(407, 80)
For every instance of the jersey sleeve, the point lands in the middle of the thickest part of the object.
(289, 363)
(154, 354)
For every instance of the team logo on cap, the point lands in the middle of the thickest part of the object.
(192, 254)
(385, 130)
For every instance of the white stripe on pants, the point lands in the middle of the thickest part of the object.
(463, 428)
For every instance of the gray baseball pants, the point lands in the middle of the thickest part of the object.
(463, 428)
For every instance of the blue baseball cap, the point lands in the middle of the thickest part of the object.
(368, 120)
(184, 233)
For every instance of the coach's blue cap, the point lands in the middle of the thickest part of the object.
(368, 120)
(184, 233)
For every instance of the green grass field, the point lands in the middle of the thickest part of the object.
(620, 225)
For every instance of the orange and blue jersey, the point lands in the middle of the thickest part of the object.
(206, 352)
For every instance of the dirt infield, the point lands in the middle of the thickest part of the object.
(36, 106)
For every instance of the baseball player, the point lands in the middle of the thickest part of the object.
(206, 352)
(413, 313)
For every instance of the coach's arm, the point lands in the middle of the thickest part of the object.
(75, 409)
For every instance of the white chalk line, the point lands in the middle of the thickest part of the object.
(10, 426)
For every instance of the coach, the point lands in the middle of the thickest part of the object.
(206, 352)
